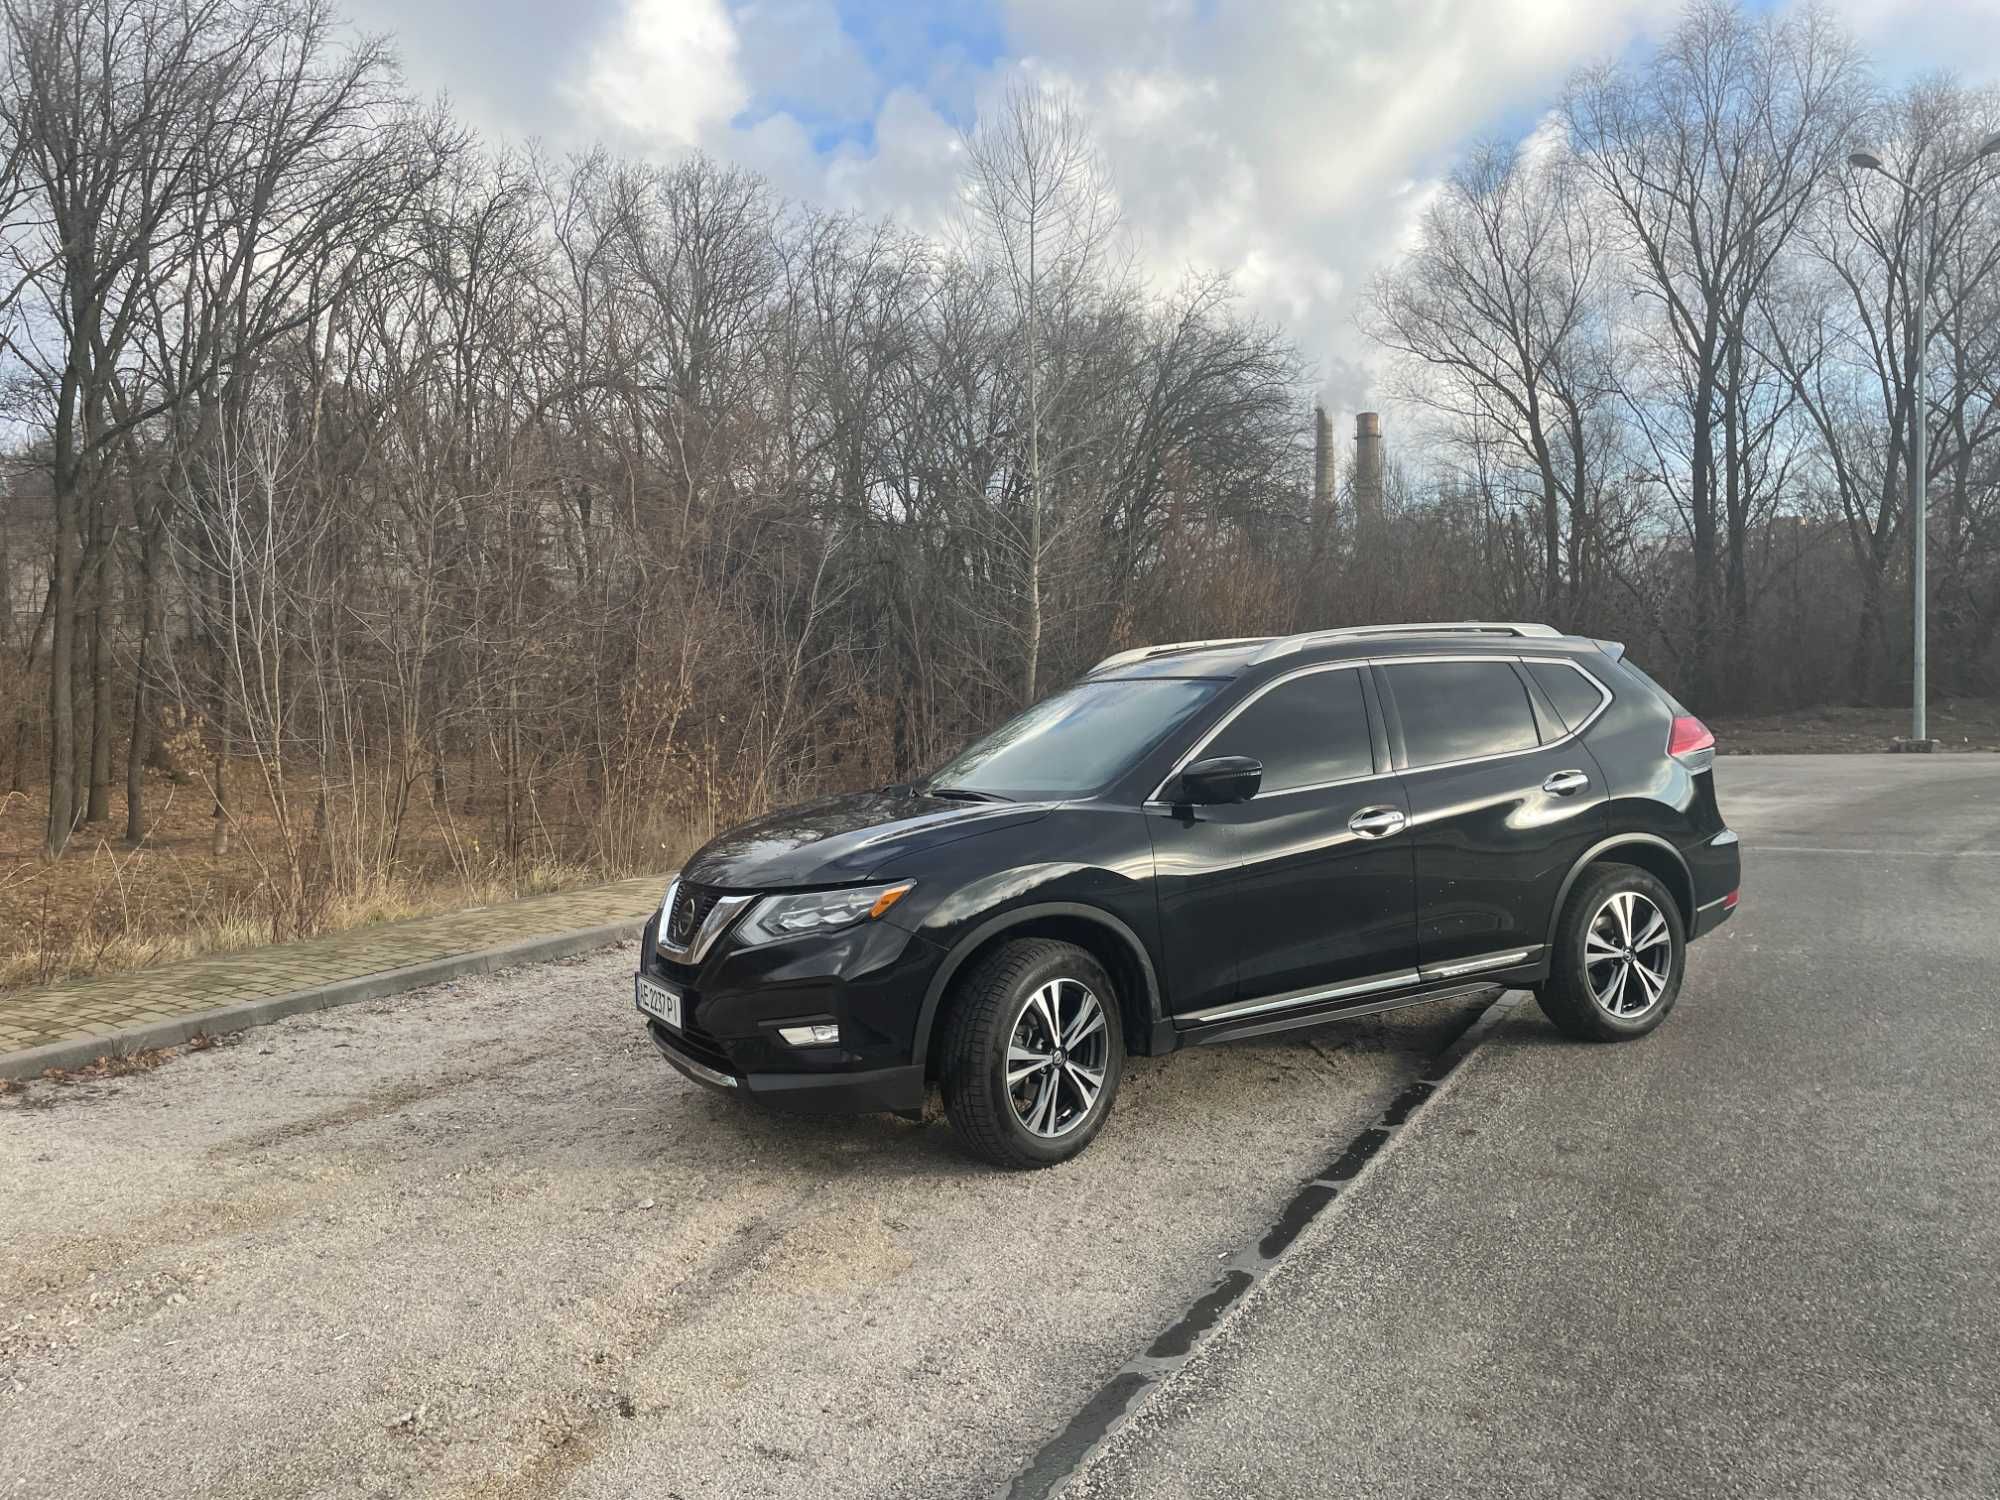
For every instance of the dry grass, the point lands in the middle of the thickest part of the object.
(106, 907)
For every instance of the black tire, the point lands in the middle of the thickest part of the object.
(1584, 968)
(990, 1014)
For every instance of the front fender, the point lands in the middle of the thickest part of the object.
(1025, 916)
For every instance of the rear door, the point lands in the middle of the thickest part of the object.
(1301, 899)
(1504, 799)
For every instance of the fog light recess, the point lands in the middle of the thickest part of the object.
(816, 1034)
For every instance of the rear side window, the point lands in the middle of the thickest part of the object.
(1308, 730)
(1454, 710)
(1575, 696)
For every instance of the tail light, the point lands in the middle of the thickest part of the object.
(1690, 743)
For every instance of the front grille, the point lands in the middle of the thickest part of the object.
(692, 904)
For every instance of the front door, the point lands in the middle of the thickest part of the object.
(1303, 893)
(1503, 802)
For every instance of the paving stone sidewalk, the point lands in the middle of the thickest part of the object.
(104, 1007)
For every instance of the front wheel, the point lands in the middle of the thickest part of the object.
(1620, 950)
(1033, 1053)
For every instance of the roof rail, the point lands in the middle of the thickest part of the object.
(1285, 645)
(1141, 653)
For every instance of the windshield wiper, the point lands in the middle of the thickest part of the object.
(964, 794)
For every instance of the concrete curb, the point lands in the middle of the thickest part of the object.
(77, 1052)
(1069, 1455)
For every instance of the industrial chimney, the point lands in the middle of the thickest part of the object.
(1367, 466)
(1323, 461)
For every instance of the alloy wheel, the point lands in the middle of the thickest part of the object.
(1056, 1058)
(1628, 954)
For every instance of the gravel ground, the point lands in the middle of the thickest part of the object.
(481, 1241)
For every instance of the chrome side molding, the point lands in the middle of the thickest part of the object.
(1306, 997)
(1374, 985)
(1480, 964)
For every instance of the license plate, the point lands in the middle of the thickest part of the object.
(656, 1000)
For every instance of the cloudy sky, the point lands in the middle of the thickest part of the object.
(1287, 141)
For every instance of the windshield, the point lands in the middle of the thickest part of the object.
(1078, 740)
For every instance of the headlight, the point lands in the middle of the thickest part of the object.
(777, 917)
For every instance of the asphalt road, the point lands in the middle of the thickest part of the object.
(482, 1242)
(1757, 1254)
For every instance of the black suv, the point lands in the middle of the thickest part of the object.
(1196, 842)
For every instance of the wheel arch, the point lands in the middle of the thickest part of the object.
(1646, 851)
(1099, 933)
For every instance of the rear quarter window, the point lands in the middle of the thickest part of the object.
(1575, 696)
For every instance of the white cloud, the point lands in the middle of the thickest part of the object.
(1289, 142)
(1292, 142)
(667, 76)
(1926, 35)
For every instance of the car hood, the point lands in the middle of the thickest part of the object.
(845, 839)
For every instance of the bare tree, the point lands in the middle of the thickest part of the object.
(1497, 316)
(1840, 328)
(1040, 203)
(1709, 155)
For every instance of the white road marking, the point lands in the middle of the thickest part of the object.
(1871, 853)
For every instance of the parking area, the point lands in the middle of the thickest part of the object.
(481, 1242)
(1752, 1255)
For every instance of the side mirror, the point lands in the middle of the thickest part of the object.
(1222, 778)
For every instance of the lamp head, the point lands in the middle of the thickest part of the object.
(1869, 161)
(1990, 148)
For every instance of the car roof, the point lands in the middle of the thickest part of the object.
(1229, 658)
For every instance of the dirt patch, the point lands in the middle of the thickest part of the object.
(105, 1069)
(1957, 724)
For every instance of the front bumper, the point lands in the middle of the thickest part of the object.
(870, 980)
(870, 1091)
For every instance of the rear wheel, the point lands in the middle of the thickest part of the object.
(1033, 1053)
(1620, 949)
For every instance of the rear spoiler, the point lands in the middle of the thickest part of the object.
(1613, 649)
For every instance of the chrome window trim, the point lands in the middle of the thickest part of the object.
(1604, 702)
(1604, 694)
(1604, 699)
(712, 927)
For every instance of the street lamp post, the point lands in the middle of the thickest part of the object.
(1919, 459)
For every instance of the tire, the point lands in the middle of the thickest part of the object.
(999, 1021)
(1604, 984)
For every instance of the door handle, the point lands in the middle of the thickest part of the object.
(1566, 783)
(1377, 822)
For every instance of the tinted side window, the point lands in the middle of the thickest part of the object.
(1574, 696)
(1455, 709)
(1305, 731)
